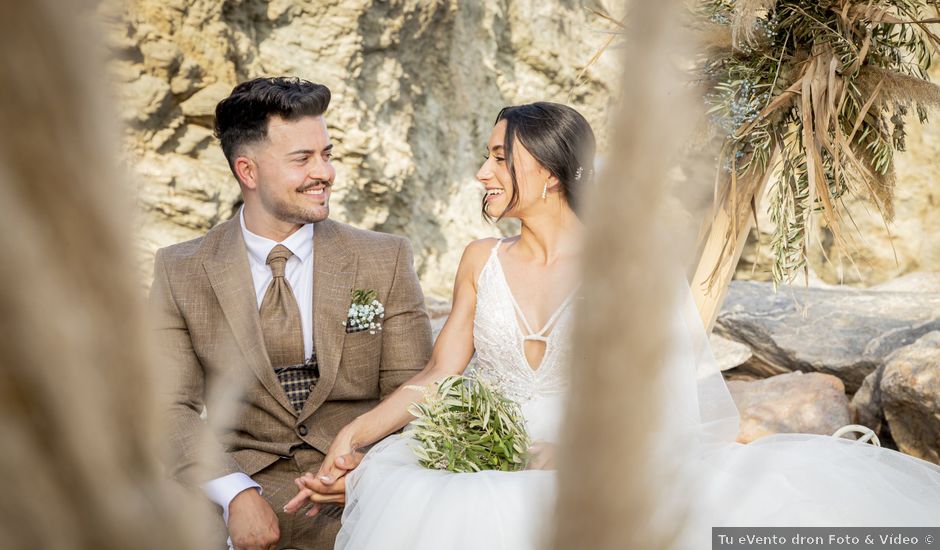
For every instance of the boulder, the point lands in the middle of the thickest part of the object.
(918, 281)
(866, 406)
(728, 353)
(790, 403)
(910, 397)
(847, 333)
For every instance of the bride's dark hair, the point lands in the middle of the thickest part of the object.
(559, 139)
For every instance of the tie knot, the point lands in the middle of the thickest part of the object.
(277, 259)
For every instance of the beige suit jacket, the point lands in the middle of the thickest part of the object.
(206, 313)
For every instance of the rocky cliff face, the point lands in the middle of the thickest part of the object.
(416, 85)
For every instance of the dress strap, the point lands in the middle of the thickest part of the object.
(530, 334)
(557, 313)
(496, 246)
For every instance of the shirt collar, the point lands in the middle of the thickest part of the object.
(300, 242)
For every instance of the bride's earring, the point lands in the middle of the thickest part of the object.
(545, 192)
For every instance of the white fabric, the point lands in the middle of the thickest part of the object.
(781, 480)
(298, 271)
(299, 275)
(223, 490)
(394, 503)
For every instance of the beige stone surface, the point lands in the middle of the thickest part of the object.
(910, 397)
(901, 400)
(416, 86)
(918, 281)
(728, 353)
(790, 403)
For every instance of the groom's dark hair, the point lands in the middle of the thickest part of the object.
(558, 137)
(243, 116)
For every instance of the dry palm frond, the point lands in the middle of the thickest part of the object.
(827, 84)
(901, 88)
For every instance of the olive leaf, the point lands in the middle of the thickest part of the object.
(464, 425)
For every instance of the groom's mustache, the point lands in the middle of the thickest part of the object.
(315, 183)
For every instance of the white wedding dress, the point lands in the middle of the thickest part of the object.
(782, 480)
(393, 503)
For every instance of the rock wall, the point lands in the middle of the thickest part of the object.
(416, 85)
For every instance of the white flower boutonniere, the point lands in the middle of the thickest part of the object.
(365, 312)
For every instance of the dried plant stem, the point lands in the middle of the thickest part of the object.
(849, 72)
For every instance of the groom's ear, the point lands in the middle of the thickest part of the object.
(247, 172)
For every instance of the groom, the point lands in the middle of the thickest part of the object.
(252, 320)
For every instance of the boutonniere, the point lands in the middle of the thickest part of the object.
(365, 312)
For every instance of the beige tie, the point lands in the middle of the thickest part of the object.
(283, 336)
(280, 316)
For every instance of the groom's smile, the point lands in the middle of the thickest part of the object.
(319, 191)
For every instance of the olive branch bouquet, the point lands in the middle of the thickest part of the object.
(464, 425)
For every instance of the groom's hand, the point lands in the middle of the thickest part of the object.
(252, 524)
(327, 487)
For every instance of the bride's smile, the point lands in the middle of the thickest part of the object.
(492, 193)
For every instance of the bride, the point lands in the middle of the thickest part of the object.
(512, 306)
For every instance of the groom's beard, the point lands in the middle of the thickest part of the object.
(302, 210)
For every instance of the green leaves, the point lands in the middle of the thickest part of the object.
(363, 297)
(467, 426)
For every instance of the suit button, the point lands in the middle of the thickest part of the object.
(302, 430)
(313, 387)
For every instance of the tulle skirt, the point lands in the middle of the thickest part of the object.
(785, 480)
(804, 480)
(394, 503)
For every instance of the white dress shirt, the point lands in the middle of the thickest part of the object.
(299, 275)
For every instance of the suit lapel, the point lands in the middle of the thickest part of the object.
(230, 277)
(334, 266)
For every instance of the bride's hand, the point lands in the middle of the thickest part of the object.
(541, 456)
(329, 484)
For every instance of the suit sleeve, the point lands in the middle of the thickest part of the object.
(406, 330)
(194, 455)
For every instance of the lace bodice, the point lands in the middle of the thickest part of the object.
(499, 340)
